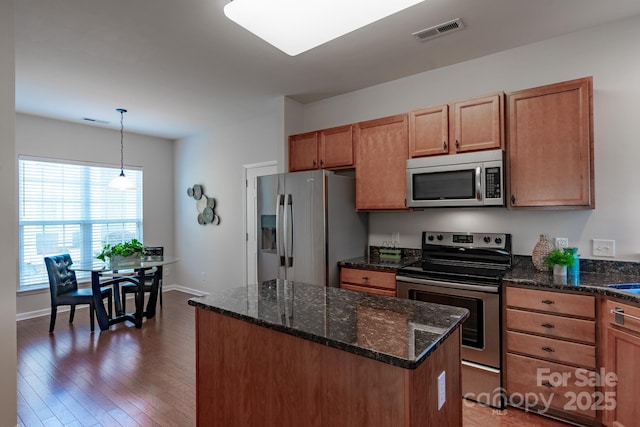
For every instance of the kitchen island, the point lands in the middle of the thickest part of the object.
(291, 354)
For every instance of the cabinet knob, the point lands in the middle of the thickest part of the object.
(457, 144)
(513, 199)
(365, 278)
(321, 162)
(547, 301)
(444, 145)
(315, 163)
(547, 384)
(548, 349)
(547, 325)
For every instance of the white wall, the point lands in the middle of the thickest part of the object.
(37, 136)
(212, 256)
(8, 231)
(608, 53)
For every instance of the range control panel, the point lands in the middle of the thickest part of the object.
(466, 240)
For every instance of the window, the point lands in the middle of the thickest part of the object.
(66, 207)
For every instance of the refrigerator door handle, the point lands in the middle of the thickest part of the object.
(288, 230)
(279, 235)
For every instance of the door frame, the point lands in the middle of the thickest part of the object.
(252, 170)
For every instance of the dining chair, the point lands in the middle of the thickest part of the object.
(64, 290)
(150, 252)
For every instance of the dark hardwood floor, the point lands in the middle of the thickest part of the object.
(137, 377)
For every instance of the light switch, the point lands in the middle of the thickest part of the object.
(604, 248)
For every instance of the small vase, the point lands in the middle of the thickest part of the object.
(540, 251)
(559, 270)
(574, 270)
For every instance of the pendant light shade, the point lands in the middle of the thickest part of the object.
(295, 26)
(121, 182)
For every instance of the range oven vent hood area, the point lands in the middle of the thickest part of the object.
(456, 180)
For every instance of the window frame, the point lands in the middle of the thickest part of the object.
(87, 223)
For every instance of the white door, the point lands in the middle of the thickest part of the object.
(251, 173)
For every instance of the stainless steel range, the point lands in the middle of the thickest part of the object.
(465, 270)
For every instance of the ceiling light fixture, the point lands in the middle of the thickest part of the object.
(295, 26)
(121, 182)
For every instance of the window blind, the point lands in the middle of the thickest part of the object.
(66, 207)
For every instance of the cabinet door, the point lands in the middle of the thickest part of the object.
(478, 123)
(623, 353)
(336, 147)
(303, 151)
(381, 154)
(550, 146)
(429, 131)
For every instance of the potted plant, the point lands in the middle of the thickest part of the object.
(560, 259)
(121, 253)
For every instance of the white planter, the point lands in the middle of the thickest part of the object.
(559, 270)
(120, 261)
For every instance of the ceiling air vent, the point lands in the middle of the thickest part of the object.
(438, 30)
(89, 119)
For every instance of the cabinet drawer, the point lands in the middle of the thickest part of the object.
(624, 322)
(378, 279)
(374, 291)
(552, 302)
(552, 381)
(550, 348)
(552, 326)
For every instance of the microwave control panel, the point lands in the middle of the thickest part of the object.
(492, 181)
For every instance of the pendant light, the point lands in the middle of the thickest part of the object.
(121, 182)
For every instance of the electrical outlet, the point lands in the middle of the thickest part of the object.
(442, 389)
(604, 248)
(562, 242)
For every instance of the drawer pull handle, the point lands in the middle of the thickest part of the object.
(620, 315)
(547, 325)
(547, 301)
(548, 349)
(365, 278)
(547, 384)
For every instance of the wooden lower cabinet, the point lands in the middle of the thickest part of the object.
(551, 358)
(621, 364)
(248, 375)
(370, 281)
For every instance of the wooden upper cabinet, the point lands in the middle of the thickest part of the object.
(336, 147)
(325, 149)
(303, 151)
(381, 154)
(471, 125)
(429, 131)
(550, 146)
(478, 124)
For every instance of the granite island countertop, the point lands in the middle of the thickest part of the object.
(594, 280)
(396, 331)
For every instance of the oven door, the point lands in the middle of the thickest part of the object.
(481, 331)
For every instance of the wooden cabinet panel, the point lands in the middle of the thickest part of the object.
(429, 131)
(381, 154)
(553, 349)
(622, 355)
(368, 289)
(335, 147)
(552, 325)
(552, 302)
(478, 123)
(550, 146)
(303, 151)
(378, 279)
(531, 380)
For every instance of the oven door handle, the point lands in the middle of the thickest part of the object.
(449, 285)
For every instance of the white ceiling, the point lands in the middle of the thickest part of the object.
(181, 67)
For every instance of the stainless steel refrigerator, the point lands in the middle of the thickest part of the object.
(307, 222)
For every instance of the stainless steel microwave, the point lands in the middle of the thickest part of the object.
(469, 179)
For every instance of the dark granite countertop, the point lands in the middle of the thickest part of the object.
(396, 331)
(593, 280)
(376, 264)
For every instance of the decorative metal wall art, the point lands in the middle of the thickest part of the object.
(206, 206)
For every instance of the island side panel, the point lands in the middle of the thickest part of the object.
(422, 386)
(248, 375)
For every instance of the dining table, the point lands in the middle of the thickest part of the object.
(106, 273)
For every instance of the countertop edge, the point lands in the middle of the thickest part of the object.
(370, 354)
